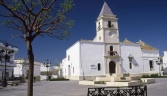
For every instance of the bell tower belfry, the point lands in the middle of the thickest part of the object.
(107, 26)
(107, 32)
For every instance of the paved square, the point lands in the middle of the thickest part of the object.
(71, 88)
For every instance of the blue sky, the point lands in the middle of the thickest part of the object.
(137, 19)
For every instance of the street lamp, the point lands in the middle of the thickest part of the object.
(158, 62)
(6, 54)
(47, 64)
(130, 57)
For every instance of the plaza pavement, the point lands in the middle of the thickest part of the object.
(71, 88)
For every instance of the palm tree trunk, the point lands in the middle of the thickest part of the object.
(31, 68)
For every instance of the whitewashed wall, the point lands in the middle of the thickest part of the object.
(135, 51)
(73, 53)
(43, 68)
(92, 53)
(165, 62)
(18, 68)
(148, 55)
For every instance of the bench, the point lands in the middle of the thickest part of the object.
(13, 83)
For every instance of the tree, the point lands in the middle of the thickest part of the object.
(34, 18)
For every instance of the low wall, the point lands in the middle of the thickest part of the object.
(81, 77)
(86, 83)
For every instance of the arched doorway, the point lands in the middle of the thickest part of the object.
(112, 67)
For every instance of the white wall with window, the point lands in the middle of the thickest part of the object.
(92, 54)
(22, 67)
(149, 58)
(71, 64)
(136, 65)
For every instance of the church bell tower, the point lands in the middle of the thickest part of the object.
(108, 33)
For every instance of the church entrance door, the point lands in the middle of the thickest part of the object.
(112, 67)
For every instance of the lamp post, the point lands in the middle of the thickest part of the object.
(158, 62)
(6, 54)
(47, 64)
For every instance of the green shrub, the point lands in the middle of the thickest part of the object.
(99, 82)
(145, 76)
(154, 75)
(59, 79)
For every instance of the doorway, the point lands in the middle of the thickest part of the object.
(112, 67)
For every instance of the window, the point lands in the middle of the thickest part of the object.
(99, 26)
(151, 64)
(130, 65)
(109, 24)
(99, 68)
(111, 51)
(68, 58)
(99, 38)
(73, 69)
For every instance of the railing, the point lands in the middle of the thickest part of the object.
(118, 91)
(112, 53)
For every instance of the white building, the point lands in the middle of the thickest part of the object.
(165, 62)
(56, 71)
(9, 64)
(22, 68)
(105, 54)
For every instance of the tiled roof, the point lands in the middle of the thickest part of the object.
(142, 44)
(145, 46)
(105, 10)
(126, 41)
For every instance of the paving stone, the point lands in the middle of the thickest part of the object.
(72, 88)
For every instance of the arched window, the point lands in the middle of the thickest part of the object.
(109, 24)
(68, 58)
(130, 65)
(99, 26)
(151, 65)
(99, 67)
(111, 51)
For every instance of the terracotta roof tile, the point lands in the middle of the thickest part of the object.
(126, 41)
(145, 46)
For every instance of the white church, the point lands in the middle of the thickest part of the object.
(106, 55)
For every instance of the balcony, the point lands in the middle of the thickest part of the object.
(112, 54)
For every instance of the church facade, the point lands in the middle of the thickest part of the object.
(106, 55)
